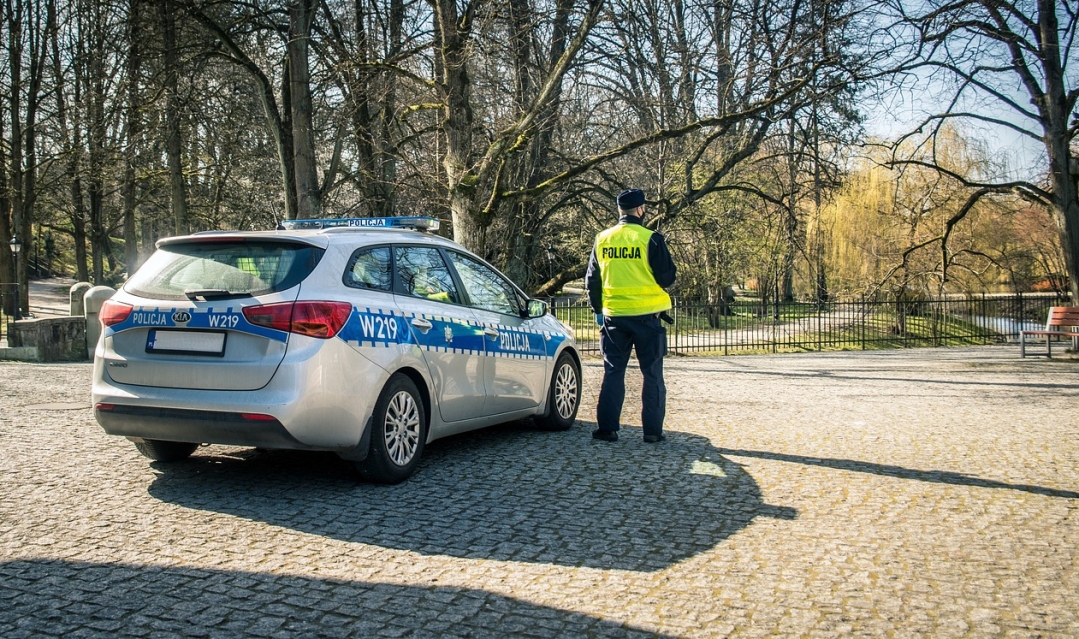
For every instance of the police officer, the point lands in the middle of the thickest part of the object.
(627, 272)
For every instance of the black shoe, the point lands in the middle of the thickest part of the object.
(605, 435)
(652, 439)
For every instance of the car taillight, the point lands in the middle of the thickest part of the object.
(320, 319)
(275, 316)
(314, 319)
(112, 313)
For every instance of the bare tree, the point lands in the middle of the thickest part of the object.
(28, 27)
(173, 140)
(230, 32)
(99, 83)
(1005, 64)
(69, 132)
(368, 55)
(478, 180)
(301, 14)
(132, 133)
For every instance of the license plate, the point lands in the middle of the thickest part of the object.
(186, 342)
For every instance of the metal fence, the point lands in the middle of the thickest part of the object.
(748, 326)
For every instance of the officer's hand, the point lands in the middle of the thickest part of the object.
(599, 319)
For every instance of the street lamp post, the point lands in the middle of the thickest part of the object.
(16, 246)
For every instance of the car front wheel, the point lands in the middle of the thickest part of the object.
(399, 429)
(563, 396)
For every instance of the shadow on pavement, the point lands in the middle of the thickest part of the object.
(885, 470)
(508, 493)
(57, 598)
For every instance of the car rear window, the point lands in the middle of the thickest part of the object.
(233, 268)
(370, 268)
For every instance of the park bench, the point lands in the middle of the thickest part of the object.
(1062, 322)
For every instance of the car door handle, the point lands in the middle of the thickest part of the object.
(491, 332)
(421, 324)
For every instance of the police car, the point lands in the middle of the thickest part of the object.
(369, 337)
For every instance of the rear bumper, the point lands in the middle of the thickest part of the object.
(303, 407)
(195, 426)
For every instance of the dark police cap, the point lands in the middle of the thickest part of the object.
(630, 199)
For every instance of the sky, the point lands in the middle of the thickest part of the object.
(900, 111)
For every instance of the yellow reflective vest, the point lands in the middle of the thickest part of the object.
(629, 288)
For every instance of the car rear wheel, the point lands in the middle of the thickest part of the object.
(399, 430)
(563, 396)
(164, 451)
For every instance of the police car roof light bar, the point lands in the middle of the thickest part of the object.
(419, 223)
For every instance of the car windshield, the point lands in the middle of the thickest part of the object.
(223, 268)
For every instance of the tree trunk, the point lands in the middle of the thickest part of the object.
(1062, 170)
(26, 37)
(301, 16)
(173, 142)
(98, 232)
(134, 134)
(78, 233)
(359, 92)
(7, 264)
(388, 153)
(456, 88)
(71, 144)
(721, 26)
(15, 143)
(96, 138)
(531, 165)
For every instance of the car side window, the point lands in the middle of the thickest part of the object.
(421, 272)
(485, 287)
(370, 268)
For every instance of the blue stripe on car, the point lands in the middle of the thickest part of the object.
(371, 327)
(378, 327)
(221, 319)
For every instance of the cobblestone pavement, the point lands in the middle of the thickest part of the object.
(903, 493)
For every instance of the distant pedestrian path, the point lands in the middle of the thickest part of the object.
(51, 297)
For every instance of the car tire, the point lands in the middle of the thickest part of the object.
(563, 395)
(399, 430)
(164, 451)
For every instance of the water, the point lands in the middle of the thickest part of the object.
(1004, 325)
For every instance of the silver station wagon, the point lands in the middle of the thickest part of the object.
(368, 337)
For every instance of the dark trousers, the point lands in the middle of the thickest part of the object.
(618, 337)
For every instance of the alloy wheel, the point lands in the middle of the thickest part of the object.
(565, 391)
(402, 428)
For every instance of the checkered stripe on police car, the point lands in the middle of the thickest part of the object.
(516, 342)
(384, 327)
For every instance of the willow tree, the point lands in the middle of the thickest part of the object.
(896, 229)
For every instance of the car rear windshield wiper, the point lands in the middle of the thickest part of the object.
(212, 294)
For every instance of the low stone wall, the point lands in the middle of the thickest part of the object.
(58, 339)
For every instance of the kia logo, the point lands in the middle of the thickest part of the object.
(181, 317)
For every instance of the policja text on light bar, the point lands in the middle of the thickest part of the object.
(404, 222)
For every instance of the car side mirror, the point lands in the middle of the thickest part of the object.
(537, 308)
